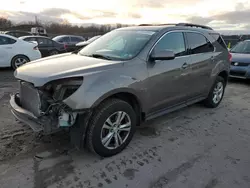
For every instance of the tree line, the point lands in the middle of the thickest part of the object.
(60, 28)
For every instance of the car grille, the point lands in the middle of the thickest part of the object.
(240, 64)
(238, 73)
(30, 98)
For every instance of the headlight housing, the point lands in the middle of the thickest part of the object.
(63, 88)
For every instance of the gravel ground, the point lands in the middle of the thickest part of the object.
(194, 147)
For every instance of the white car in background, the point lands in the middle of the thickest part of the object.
(15, 52)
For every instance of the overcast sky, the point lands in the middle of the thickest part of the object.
(220, 14)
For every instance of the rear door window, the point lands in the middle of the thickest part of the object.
(76, 39)
(198, 43)
(65, 40)
(6, 40)
(44, 41)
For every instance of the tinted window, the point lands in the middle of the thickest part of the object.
(219, 39)
(174, 42)
(30, 39)
(6, 40)
(20, 34)
(64, 39)
(61, 39)
(44, 41)
(76, 39)
(198, 43)
(11, 33)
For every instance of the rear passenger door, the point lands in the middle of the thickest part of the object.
(201, 52)
(74, 41)
(44, 46)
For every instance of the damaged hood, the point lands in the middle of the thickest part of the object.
(41, 71)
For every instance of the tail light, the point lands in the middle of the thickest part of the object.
(230, 57)
(65, 46)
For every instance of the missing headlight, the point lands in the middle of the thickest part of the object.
(63, 88)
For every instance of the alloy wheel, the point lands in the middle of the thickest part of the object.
(20, 61)
(218, 92)
(115, 130)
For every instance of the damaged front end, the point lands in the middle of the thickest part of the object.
(43, 108)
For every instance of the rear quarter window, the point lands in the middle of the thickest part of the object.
(6, 40)
(219, 39)
(198, 43)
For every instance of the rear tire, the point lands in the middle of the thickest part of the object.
(111, 127)
(216, 93)
(53, 52)
(18, 61)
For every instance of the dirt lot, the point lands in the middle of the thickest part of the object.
(194, 147)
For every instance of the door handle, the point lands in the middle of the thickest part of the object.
(184, 66)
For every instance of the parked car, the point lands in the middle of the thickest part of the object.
(15, 52)
(46, 45)
(17, 33)
(127, 76)
(240, 60)
(69, 40)
(85, 43)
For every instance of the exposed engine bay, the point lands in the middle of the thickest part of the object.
(46, 103)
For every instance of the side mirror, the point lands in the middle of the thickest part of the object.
(162, 55)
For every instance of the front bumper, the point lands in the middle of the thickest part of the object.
(242, 72)
(38, 124)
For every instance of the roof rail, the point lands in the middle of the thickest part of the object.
(180, 24)
(146, 25)
(194, 25)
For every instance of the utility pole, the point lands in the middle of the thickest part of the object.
(36, 20)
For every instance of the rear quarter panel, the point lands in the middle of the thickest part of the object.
(21, 48)
(221, 62)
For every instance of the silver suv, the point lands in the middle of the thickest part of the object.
(126, 77)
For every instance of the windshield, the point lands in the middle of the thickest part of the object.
(241, 47)
(118, 44)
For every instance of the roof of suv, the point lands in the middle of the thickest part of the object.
(159, 27)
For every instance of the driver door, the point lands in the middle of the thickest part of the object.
(169, 80)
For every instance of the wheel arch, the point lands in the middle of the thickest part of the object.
(127, 95)
(224, 74)
(20, 55)
(17, 56)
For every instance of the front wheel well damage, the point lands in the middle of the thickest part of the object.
(79, 130)
(133, 101)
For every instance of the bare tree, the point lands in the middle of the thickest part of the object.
(5, 23)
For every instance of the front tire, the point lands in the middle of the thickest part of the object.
(216, 93)
(111, 127)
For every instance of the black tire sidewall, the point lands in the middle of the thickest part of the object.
(14, 59)
(53, 51)
(210, 101)
(96, 136)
